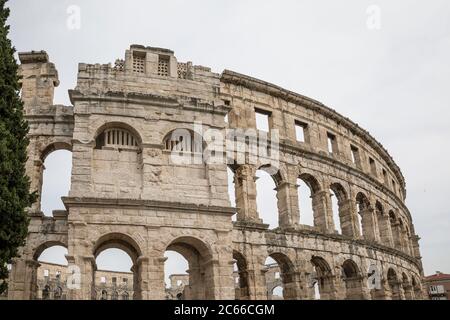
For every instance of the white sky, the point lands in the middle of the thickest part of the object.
(393, 81)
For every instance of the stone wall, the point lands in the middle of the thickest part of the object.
(128, 192)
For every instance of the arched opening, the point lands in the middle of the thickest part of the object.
(231, 189)
(395, 230)
(277, 293)
(383, 223)
(176, 275)
(117, 135)
(393, 284)
(266, 198)
(280, 272)
(308, 201)
(114, 274)
(117, 269)
(341, 211)
(56, 177)
(242, 290)
(324, 278)
(200, 284)
(305, 205)
(335, 209)
(51, 274)
(407, 287)
(364, 221)
(353, 280)
(184, 141)
(416, 288)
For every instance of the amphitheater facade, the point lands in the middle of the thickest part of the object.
(127, 192)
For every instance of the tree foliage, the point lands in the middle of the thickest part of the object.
(15, 194)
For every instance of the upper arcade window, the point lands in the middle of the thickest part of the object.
(116, 138)
(262, 120)
(163, 65)
(183, 140)
(356, 159)
(139, 62)
(301, 133)
(332, 143)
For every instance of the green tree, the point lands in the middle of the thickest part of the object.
(15, 194)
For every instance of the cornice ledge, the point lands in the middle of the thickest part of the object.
(145, 204)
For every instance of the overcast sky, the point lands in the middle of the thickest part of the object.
(394, 80)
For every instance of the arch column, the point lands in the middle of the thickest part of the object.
(23, 279)
(245, 188)
(87, 268)
(384, 293)
(347, 218)
(385, 230)
(369, 224)
(327, 287)
(323, 214)
(287, 203)
(395, 227)
(408, 291)
(142, 277)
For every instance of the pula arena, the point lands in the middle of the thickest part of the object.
(126, 192)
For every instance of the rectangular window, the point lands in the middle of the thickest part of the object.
(125, 280)
(45, 273)
(103, 279)
(301, 133)
(355, 156)
(394, 186)
(373, 167)
(262, 120)
(385, 179)
(139, 62)
(332, 143)
(114, 280)
(163, 66)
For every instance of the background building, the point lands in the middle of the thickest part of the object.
(438, 286)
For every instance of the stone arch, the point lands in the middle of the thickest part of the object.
(407, 287)
(183, 140)
(321, 203)
(366, 214)
(119, 125)
(287, 274)
(395, 227)
(36, 170)
(45, 245)
(393, 283)
(384, 226)
(64, 144)
(269, 193)
(131, 247)
(344, 213)
(417, 288)
(119, 241)
(324, 277)
(353, 280)
(278, 176)
(242, 290)
(311, 181)
(201, 272)
(48, 291)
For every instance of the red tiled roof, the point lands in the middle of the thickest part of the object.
(438, 276)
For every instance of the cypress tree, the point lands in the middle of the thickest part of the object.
(15, 194)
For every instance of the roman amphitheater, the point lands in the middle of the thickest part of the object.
(127, 192)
